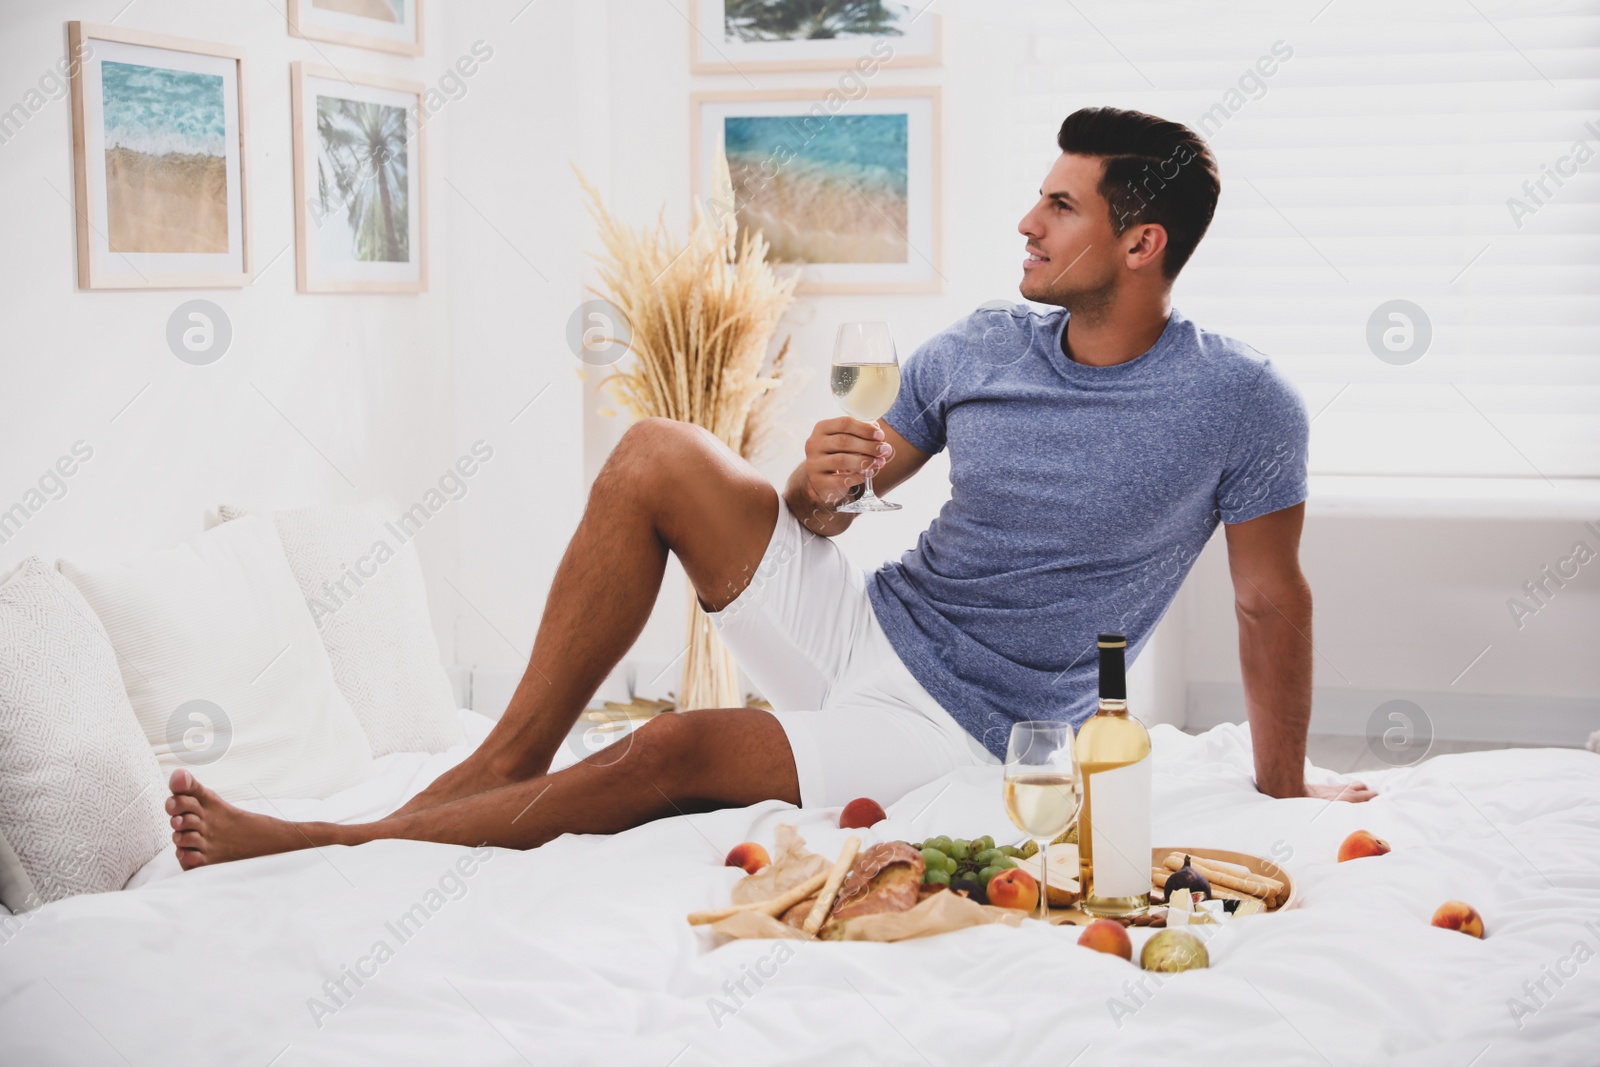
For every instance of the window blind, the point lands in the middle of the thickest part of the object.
(1445, 153)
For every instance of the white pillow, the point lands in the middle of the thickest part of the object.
(224, 667)
(362, 582)
(80, 794)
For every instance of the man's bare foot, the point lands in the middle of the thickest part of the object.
(207, 829)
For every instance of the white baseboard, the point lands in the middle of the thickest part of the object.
(1522, 720)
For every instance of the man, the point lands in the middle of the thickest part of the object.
(1093, 452)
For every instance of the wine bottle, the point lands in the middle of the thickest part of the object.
(1113, 750)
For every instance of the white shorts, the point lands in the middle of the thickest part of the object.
(858, 723)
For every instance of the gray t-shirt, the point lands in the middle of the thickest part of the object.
(1080, 497)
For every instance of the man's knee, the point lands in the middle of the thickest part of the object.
(664, 751)
(655, 452)
(726, 756)
(657, 439)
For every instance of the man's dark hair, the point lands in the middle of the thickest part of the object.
(1156, 172)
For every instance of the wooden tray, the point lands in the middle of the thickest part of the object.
(1073, 915)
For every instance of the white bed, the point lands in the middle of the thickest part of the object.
(578, 952)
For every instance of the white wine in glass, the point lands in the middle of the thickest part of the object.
(1041, 789)
(865, 382)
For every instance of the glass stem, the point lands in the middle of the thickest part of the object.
(1044, 880)
(867, 493)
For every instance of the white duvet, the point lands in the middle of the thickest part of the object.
(578, 952)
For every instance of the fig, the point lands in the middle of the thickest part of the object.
(1171, 951)
(970, 888)
(1186, 877)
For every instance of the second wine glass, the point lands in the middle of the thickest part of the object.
(865, 381)
(1041, 789)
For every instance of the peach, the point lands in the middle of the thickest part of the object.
(1104, 935)
(861, 813)
(1014, 888)
(1459, 915)
(1360, 844)
(749, 855)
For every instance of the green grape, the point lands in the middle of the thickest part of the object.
(960, 848)
(986, 874)
(1009, 850)
(1030, 849)
(932, 858)
(1005, 863)
(941, 842)
(983, 844)
(986, 857)
(950, 865)
(936, 878)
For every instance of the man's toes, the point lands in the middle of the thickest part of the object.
(182, 781)
(189, 858)
(186, 822)
(187, 839)
(182, 805)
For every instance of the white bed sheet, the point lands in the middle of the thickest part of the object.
(578, 952)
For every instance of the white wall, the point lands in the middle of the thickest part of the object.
(514, 279)
(387, 390)
(390, 390)
(319, 397)
(1402, 606)
(1417, 609)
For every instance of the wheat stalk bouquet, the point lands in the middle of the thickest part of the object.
(700, 314)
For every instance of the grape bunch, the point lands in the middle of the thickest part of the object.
(967, 866)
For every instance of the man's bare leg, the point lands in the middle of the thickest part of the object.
(667, 486)
(675, 763)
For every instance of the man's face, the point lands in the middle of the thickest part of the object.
(1072, 255)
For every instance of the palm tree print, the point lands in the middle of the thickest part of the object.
(810, 20)
(362, 169)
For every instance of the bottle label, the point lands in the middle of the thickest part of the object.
(1121, 829)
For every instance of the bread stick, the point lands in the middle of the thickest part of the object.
(830, 888)
(774, 907)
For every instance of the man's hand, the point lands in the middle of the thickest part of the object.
(839, 453)
(1354, 792)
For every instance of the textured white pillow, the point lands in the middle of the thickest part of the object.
(361, 579)
(224, 667)
(80, 793)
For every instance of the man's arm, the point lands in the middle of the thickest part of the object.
(1272, 601)
(838, 453)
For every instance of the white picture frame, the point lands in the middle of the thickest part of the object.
(160, 175)
(914, 37)
(381, 25)
(360, 226)
(880, 208)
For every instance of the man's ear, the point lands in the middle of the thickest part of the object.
(1148, 242)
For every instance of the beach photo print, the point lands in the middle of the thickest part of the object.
(382, 25)
(360, 197)
(738, 36)
(848, 198)
(158, 131)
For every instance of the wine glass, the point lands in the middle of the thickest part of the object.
(865, 380)
(1041, 789)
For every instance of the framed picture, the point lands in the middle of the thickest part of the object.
(158, 151)
(385, 25)
(361, 205)
(846, 192)
(736, 36)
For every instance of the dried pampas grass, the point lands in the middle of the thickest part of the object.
(700, 316)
